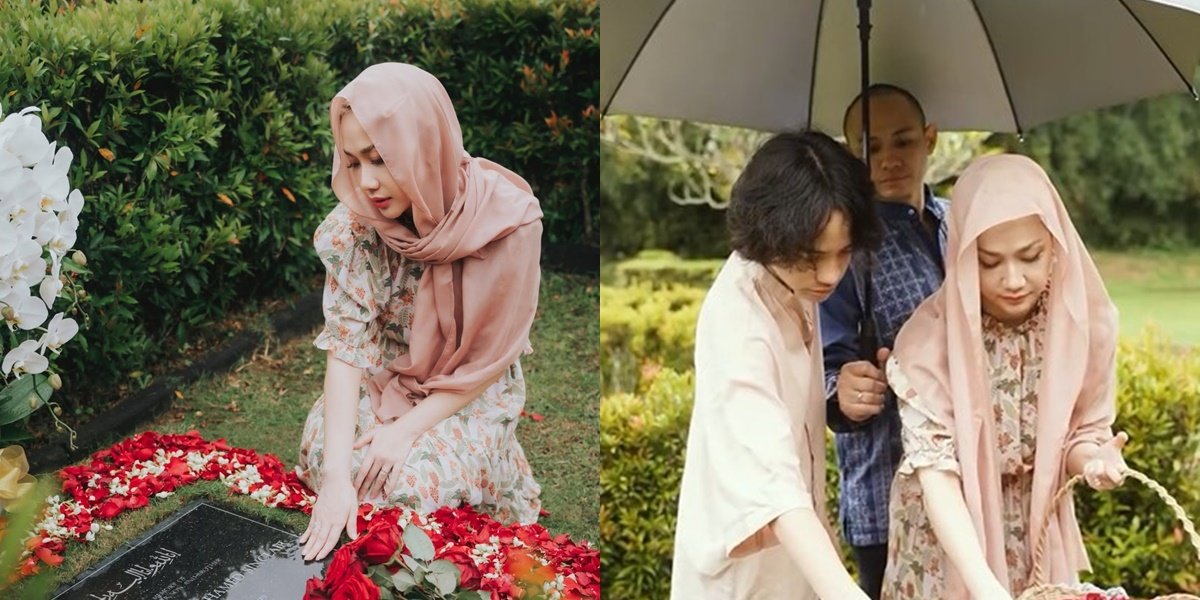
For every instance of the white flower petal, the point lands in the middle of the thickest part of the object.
(8, 237)
(75, 202)
(24, 359)
(51, 175)
(31, 313)
(59, 332)
(49, 290)
(45, 227)
(26, 141)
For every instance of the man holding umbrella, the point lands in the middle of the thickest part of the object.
(879, 293)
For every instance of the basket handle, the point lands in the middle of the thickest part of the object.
(1039, 574)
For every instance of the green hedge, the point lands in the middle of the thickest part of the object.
(642, 442)
(642, 330)
(202, 140)
(1131, 535)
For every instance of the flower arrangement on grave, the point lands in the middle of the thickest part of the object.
(451, 553)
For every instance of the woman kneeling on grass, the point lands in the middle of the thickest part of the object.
(432, 261)
(751, 509)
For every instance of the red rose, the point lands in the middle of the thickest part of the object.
(356, 586)
(343, 564)
(461, 557)
(315, 589)
(380, 545)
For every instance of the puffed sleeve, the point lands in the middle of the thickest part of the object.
(350, 252)
(928, 443)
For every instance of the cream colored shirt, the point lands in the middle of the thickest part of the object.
(756, 442)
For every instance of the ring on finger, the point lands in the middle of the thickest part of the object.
(858, 396)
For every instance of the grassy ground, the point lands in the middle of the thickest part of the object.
(1155, 287)
(263, 403)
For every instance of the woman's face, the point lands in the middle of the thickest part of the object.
(368, 171)
(816, 277)
(1015, 259)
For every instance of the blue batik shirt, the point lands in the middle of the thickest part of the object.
(908, 268)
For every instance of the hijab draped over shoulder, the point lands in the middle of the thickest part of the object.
(941, 351)
(477, 230)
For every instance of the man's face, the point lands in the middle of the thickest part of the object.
(900, 145)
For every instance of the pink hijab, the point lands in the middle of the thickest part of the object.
(941, 350)
(478, 231)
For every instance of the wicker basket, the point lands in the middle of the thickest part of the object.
(1049, 591)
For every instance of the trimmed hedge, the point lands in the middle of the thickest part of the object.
(1131, 535)
(202, 142)
(642, 330)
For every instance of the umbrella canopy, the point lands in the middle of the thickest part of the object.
(994, 65)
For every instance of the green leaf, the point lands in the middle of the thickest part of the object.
(24, 396)
(445, 582)
(404, 581)
(418, 543)
(444, 566)
(413, 564)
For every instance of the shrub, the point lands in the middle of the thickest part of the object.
(203, 145)
(661, 268)
(643, 330)
(1131, 535)
(642, 441)
(1133, 538)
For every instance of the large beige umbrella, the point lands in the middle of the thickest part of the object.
(994, 65)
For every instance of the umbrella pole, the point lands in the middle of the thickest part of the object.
(864, 40)
(868, 341)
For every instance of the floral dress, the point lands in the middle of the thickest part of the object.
(473, 457)
(917, 565)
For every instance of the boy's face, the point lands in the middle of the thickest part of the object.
(900, 145)
(816, 277)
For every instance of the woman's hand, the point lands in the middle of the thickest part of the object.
(384, 462)
(336, 509)
(1105, 470)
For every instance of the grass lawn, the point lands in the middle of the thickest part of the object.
(1155, 287)
(263, 403)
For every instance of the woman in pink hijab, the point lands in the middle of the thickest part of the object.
(432, 260)
(1006, 383)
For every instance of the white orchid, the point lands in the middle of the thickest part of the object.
(23, 310)
(51, 176)
(52, 285)
(25, 359)
(24, 265)
(39, 217)
(21, 135)
(58, 332)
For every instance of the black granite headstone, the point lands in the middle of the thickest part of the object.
(203, 552)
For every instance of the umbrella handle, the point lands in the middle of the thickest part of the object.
(864, 39)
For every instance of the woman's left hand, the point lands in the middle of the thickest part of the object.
(384, 462)
(1106, 469)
